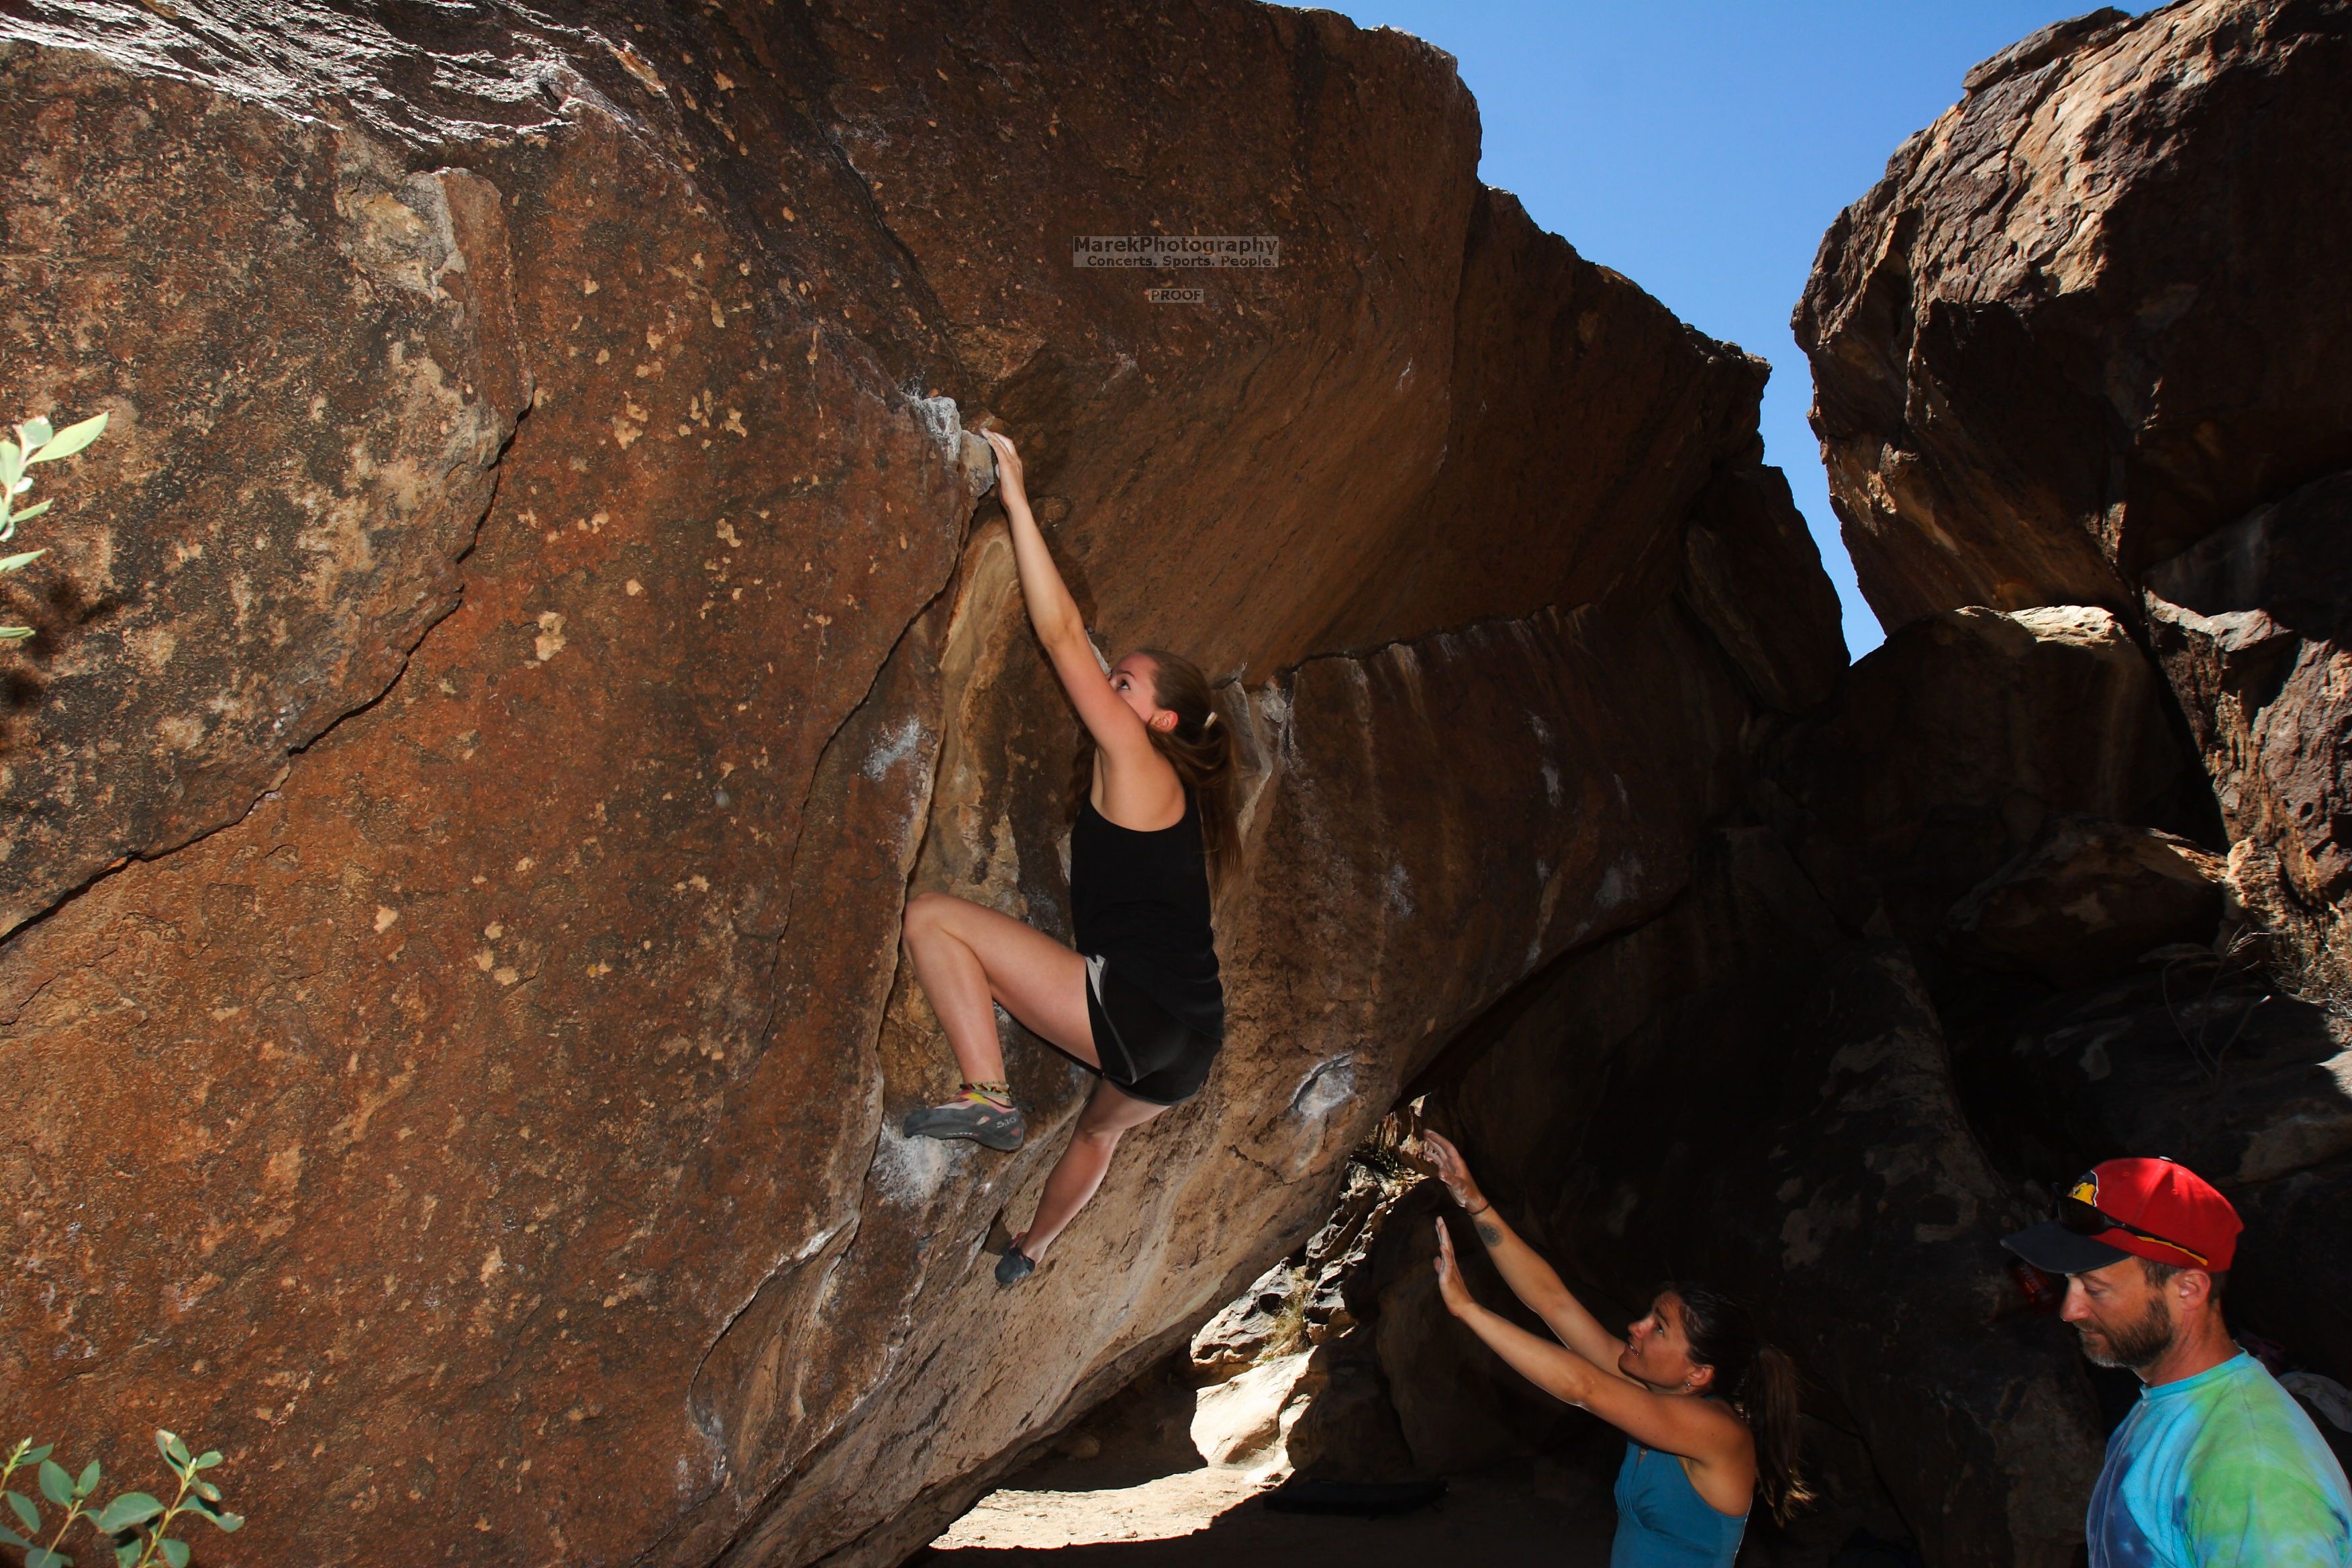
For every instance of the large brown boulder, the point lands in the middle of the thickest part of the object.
(2099, 309)
(297, 455)
(453, 1004)
(2255, 628)
(2086, 899)
(1955, 744)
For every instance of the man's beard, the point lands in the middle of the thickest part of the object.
(2135, 1345)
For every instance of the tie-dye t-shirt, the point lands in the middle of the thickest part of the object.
(2221, 1470)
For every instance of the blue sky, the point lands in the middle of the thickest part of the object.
(1701, 147)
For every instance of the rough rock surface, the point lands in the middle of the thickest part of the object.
(473, 1079)
(1298, 1302)
(1960, 737)
(2255, 628)
(2085, 900)
(2081, 345)
(310, 371)
(2095, 312)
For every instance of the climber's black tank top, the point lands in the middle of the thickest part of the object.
(1141, 900)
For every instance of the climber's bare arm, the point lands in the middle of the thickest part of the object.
(1695, 1429)
(1531, 1279)
(1126, 748)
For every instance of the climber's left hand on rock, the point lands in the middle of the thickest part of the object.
(1008, 464)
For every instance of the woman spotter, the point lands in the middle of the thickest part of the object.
(1708, 1411)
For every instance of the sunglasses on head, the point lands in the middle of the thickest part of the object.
(2089, 1219)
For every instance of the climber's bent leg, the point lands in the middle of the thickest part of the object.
(968, 959)
(1110, 1113)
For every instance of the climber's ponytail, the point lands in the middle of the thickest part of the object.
(1761, 1383)
(1200, 748)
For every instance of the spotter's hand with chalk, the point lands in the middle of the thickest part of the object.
(1447, 1162)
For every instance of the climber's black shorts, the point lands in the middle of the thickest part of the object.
(1146, 1050)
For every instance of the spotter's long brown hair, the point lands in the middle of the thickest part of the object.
(1200, 752)
(1761, 1383)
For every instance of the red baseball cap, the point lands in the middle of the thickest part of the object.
(2154, 1209)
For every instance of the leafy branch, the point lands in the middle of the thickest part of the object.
(36, 442)
(136, 1525)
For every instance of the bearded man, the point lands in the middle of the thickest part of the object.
(2217, 1466)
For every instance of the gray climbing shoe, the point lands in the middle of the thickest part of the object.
(972, 1116)
(1014, 1266)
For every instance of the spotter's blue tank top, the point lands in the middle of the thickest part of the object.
(1663, 1522)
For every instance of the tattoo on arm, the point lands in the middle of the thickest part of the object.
(1489, 1232)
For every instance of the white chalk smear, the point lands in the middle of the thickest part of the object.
(908, 1171)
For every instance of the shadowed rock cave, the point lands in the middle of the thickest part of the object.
(539, 612)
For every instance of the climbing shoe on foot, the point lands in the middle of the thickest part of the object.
(991, 1122)
(1014, 1266)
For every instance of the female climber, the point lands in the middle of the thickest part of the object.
(1138, 1002)
(1709, 1414)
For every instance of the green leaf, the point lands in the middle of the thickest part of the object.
(11, 1538)
(207, 1491)
(128, 1553)
(56, 1485)
(18, 562)
(88, 1482)
(175, 1553)
(30, 513)
(14, 634)
(12, 466)
(69, 440)
(25, 1512)
(35, 434)
(213, 1511)
(174, 1450)
(42, 1557)
(129, 1508)
(209, 1459)
(34, 1456)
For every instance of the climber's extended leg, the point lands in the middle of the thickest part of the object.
(968, 959)
(1110, 1113)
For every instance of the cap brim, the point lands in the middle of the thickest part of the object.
(2053, 1248)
